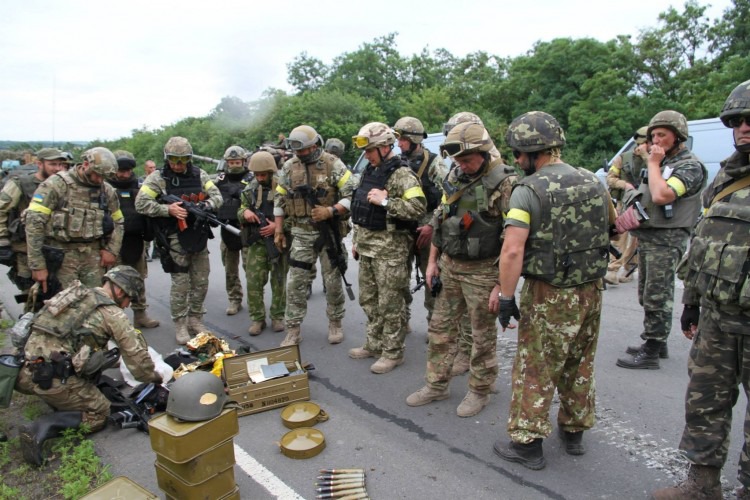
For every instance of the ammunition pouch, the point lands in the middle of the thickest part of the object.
(97, 362)
(43, 372)
(168, 264)
(108, 224)
(17, 230)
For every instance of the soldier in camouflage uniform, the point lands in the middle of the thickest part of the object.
(670, 193)
(65, 355)
(137, 230)
(78, 212)
(557, 237)
(311, 172)
(14, 200)
(262, 258)
(385, 209)
(716, 317)
(465, 245)
(231, 183)
(182, 239)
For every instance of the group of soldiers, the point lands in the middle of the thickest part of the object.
(474, 230)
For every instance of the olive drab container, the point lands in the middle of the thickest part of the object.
(266, 395)
(120, 487)
(195, 460)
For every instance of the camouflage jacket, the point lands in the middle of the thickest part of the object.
(14, 200)
(432, 179)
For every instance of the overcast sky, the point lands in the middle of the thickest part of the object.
(81, 70)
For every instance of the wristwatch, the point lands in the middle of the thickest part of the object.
(384, 202)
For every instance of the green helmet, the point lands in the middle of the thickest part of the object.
(177, 146)
(335, 147)
(466, 138)
(125, 160)
(535, 131)
(262, 161)
(673, 120)
(126, 278)
(641, 135)
(411, 128)
(737, 104)
(102, 161)
(374, 135)
(461, 117)
(196, 396)
(304, 137)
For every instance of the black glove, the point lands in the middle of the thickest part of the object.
(690, 316)
(508, 309)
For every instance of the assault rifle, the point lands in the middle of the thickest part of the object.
(330, 238)
(200, 213)
(34, 298)
(273, 252)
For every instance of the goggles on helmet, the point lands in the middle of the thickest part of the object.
(361, 141)
(457, 148)
(178, 159)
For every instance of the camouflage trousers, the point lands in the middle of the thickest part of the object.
(82, 262)
(656, 273)
(142, 268)
(299, 279)
(231, 261)
(557, 337)
(381, 295)
(258, 269)
(189, 289)
(466, 290)
(719, 362)
(75, 394)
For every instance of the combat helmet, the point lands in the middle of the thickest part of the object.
(262, 161)
(411, 128)
(236, 153)
(126, 278)
(641, 135)
(177, 146)
(535, 131)
(304, 137)
(465, 138)
(101, 161)
(125, 160)
(335, 147)
(196, 396)
(737, 105)
(461, 117)
(373, 135)
(673, 120)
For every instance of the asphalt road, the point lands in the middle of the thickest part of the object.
(428, 452)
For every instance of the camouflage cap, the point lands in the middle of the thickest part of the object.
(737, 104)
(410, 128)
(535, 131)
(673, 120)
(125, 159)
(51, 154)
(101, 159)
(461, 117)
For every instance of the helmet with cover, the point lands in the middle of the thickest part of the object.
(374, 135)
(179, 147)
(262, 161)
(101, 161)
(736, 107)
(125, 160)
(335, 147)
(410, 128)
(672, 120)
(466, 138)
(235, 153)
(196, 396)
(641, 135)
(304, 137)
(128, 279)
(535, 131)
(461, 117)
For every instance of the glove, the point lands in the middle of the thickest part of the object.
(508, 309)
(279, 240)
(627, 221)
(320, 213)
(690, 317)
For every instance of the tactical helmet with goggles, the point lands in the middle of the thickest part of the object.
(262, 161)
(125, 160)
(302, 138)
(461, 117)
(128, 279)
(196, 396)
(410, 128)
(535, 131)
(178, 149)
(641, 135)
(466, 138)
(672, 120)
(374, 135)
(335, 147)
(101, 161)
(736, 110)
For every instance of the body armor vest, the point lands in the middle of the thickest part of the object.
(135, 223)
(481, 239)
(572, 243)
(80, 215)
(195, 237)
(314, 177)
(364, 213)
(432, 192)
(27, 184)
(261, 201)
(230, 185)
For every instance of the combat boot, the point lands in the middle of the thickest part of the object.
(530, 455)
(195, 324)
(362, 353)
(234, 308)
(256, 328)
(182, 335)
(702, 483)
(460, 364)
(427, 395)
(335, 333)
(277, 325)
(384, 365)
(141, 319)
(573, 442)
(611, 278)
(472, 404)
(47, 427)
(292, 336)
(625, 278)
(663, 350)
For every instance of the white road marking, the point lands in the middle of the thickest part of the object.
(264, 477)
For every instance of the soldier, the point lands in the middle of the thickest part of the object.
(468, 116)
(78, 212)
(262, 258)
(670, 193)
(182, 238)
(335, 147)
(14, 200)
(231, 183)
(311, 173)
(463, 254)
(385, 210)
(557, 237)
(716, 317)
(137, 229)
(149, 166)
(62, 368)
(625, 174)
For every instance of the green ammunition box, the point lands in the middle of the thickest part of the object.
(217, 486)
(120, 487)
(180, 442)
(204, 466)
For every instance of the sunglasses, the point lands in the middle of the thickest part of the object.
(516, 154)
(178, 159)
(737, 121)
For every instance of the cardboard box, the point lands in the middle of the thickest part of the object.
(273, 393)
(180, 442)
